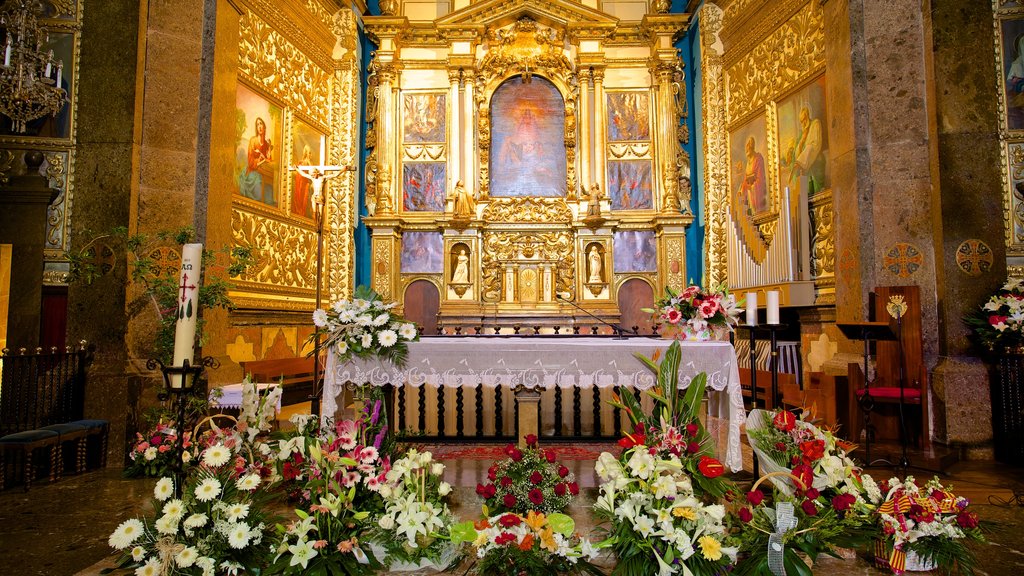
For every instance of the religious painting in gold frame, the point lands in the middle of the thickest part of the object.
(528, 154)
(258, 126)
(423, 117)
(630, 184)
(629, 116)
(803, 139)
(748, 168)
(1011, 60)
(305, 146)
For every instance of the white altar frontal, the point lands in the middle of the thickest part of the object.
(575, 377)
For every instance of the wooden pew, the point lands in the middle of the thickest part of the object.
(294, 374)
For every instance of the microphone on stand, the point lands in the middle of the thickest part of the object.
(619, 330)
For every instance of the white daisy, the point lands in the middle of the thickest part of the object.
(151, 568)
(381, 319)
(127, 533)
(341, 347)
(248, 482)
(138, 554)
(238, 511)
(208, 490)
(207, 565)
(216, 455)
(387, 338)
(196, 521)
(186, 557)
(238, 535)
(320, 318)
(164, 489)
(166, 524)
(366, 340)
(150, 453)
(407, 331)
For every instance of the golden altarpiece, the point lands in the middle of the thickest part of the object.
(523, 155)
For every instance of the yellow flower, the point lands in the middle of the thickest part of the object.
(547, 540)
(685, 512)
(481, 539)
(535, 520)
(710, 548)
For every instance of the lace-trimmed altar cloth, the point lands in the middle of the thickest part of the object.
(546, 363)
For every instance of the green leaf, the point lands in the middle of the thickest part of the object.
(360, 515)
(463, 532)
(561, 524)
(347, 461)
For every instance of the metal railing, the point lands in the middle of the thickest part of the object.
(41, 387)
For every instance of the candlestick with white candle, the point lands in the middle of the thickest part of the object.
(188, 307)
(772, 304)
(751, 308)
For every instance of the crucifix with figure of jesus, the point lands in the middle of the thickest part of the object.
(317, 175)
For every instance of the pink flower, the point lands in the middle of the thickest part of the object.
(690, 292)
(709, 307)
(673, 316)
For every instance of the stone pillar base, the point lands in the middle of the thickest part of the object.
(960, 405)
(529, 414)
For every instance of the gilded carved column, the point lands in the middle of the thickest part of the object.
(469, 159)
(666, 146)
(716, 196)
(586, 141)
(455, 135)
(386, 153)
(601, 131)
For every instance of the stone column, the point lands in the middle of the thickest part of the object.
(586, 145)
(455, 135)
(23, 204)
(469, 137)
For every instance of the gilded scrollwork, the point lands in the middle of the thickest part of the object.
(527, 209)
(343, 208)
(788, 55)
(1015, 199)
(383, 262)
(285, 254)
(280, 67)
(675, 270)
(715, 145)
(625, 150)
(520, 247)
(823, 238)
(526, 48)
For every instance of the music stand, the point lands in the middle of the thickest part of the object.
(867, 331)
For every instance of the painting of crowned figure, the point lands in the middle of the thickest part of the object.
(423, 185)
(527, 140)
(629, 185)
(258, 145)
(803, 140)
(423, 117)
(629, 117)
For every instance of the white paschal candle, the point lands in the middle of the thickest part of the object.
(188, 307)
(751, 308)
(772, 305)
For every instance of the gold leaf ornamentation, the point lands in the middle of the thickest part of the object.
(285, 254)
(529, 209)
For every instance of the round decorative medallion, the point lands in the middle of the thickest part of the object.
(165, 261)
(974, 257)
(903, 259)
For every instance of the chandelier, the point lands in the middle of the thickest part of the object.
(30, 79)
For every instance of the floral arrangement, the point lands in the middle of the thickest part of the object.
(259, 409)
(783, 529)
(364, 327)
(695, 313)
(153, 454)
(219, 522)
(925, 527)
(999, 323)
(412, 531)
(785, 442)
(529, 479)
(660, 496)
(534, 543)
(336, 477)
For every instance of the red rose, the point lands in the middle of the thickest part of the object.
(693, 447)
(746, 515)
(509, 449)
(842, 502)
(509, 520)
(813, 449)
(536, 477)
(536, 496)
(509, 501)
(550, 456)
(996, 319)
(780, 446)
(560, 489)
(481, 490)
(809, 508)
(784, 420)
(492, 473)
(516, 455)
(489, 491)
(505, 538)
(755, 497)
(531, 440)
(156, 440)
(812, 493)
(967, 519)
(710, 467)
(805, 474)
(506, 482)
(574, 488)
(563, 471)
(692, 429)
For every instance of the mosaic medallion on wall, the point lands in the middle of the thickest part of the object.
(847, 262)
(903, 259)
(974, 257)
(165, 261)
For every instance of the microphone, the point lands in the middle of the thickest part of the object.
(619, 331)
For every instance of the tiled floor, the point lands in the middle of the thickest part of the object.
(61, 529)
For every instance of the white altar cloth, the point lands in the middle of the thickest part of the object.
(546, 363)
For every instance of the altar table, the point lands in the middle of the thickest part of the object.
(545, 363)
(231, 396)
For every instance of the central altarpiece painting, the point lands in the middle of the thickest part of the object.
(526, 160)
